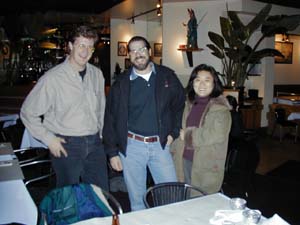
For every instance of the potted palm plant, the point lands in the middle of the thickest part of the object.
(232, 46)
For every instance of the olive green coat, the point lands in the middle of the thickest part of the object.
(210, 142)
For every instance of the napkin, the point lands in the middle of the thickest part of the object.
(275, 220)
(223, 216)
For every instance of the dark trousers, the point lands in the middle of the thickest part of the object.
(86, 162)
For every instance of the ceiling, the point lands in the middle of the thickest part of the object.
(95, 11)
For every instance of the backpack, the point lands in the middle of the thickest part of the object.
(71, 204)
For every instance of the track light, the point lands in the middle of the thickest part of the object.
(158, 11)
(158, 5)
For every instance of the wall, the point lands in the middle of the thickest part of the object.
(174, 34)
(123, 30)
(289, 73)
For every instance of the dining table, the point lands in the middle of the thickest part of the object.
(16, 204)
(196, 211)
(294, 116)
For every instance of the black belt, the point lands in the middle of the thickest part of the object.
(142, 138)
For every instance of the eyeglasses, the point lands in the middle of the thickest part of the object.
(89, 48)
(142, 50)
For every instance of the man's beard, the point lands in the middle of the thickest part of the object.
(139, 66)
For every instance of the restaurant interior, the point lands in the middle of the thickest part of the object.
(33, 39)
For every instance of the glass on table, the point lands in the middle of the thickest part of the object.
(252, 216)
(238, 203)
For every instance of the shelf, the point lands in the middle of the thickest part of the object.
(190, 49)
(189, 53)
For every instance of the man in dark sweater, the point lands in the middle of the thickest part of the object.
(142, 117)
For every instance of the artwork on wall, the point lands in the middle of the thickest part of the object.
(122, 48)
(157, 49)
(286, 48)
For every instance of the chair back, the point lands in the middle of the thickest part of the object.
(170, 192)
(280, 115)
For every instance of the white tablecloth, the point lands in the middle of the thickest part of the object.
(16, 204)
(196, 211)
(294, 116)
(9, 120)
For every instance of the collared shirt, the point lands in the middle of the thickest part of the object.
(134, 75)
(70, 106)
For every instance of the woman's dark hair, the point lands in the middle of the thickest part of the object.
(84, 31)
(218, 88)
(138, 38)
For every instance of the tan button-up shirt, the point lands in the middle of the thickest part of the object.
(71, 106)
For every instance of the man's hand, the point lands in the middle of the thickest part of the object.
(56, 147)
(116, 163)
(170, 140)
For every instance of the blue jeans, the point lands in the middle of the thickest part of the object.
(86, 162)
(139, 155)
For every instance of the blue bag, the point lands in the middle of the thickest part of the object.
(71, 204)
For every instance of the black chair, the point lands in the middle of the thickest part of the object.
(39, 176)
(170, 192)
(283, 123)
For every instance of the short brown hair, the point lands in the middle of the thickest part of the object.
(84, 31)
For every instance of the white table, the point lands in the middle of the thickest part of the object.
(16, 203)
(196, 211)
(294, 116)
(9, 120)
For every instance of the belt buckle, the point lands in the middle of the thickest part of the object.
(145, 139)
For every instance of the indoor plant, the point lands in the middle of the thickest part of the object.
(233, 48)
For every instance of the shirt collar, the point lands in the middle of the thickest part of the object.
(133, 75)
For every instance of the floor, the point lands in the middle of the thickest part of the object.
(264, 191)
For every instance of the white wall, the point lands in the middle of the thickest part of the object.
(123, 30)
(174, 34)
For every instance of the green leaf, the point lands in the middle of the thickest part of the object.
(216, 51)
(217, 39)
(259, 19)
(226, 30)
(267, 52)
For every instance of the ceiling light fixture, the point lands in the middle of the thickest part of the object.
(157, 9)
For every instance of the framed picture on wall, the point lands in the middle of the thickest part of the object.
(286, 49)
(122, 48)
(157, 50)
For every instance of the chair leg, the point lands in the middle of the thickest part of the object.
(280, 133)
(296, 134)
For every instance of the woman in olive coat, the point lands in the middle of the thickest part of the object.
(200, 151)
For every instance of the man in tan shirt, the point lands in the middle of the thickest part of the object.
(70, 98)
